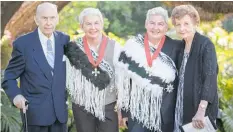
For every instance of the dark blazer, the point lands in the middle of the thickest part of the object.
(171, 48)
(45, 92)
(200, 78)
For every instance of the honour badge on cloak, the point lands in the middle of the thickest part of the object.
(169, 88)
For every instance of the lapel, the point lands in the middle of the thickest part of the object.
(195, 45)
(193, 56)
(167, 47)
(181, 54)
(58, 53)
(40, 58)
(195, 48)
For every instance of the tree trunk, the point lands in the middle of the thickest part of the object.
(8, 9)
(214, 6)
(208, 6)
(23, 20)
(206, 9)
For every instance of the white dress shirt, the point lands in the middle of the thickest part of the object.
(43, 41)
(152, 45)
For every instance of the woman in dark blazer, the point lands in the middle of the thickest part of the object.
(197, 91)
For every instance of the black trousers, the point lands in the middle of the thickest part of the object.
(86, 122)
(55, 127)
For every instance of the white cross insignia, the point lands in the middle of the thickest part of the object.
(95, 72)
(149, 71)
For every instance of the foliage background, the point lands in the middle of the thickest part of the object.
(122, 20)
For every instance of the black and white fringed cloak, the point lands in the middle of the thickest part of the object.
(141, 92)
(85, 88)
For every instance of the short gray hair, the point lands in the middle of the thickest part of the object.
(90, 11)
(157, 11)
(45, 5)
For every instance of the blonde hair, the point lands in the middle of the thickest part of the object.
(180, 11)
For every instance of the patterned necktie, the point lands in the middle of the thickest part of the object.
(50, 54)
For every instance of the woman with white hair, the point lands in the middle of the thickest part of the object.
(91, 75)
(147, 74)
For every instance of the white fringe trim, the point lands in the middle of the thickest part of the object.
(84, 93)
(143, 101)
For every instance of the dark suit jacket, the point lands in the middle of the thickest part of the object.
(172, 48)
(45, 92)
(200, 78)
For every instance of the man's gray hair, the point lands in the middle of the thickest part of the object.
(157, 11)
(44, 5)
(90, 11)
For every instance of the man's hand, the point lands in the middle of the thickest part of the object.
(19, 102)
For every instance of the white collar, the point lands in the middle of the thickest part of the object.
(152, 45)
(44, 38)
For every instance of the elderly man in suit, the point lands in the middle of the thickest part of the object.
(37, 59)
